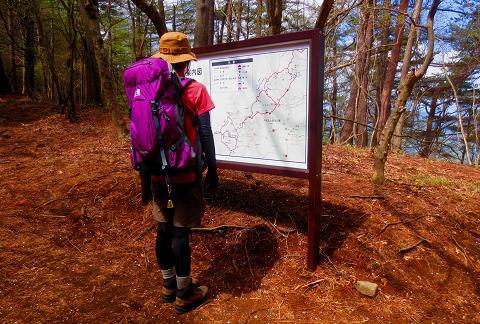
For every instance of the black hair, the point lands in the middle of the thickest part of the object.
(180, 66)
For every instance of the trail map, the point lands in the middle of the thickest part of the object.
(261, 101)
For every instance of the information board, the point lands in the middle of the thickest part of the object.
(268, 94)
(261, 95)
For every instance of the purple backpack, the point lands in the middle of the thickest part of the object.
(159, 144)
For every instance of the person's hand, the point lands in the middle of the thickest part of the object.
(211, 179)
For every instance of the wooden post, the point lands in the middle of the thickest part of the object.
(315, 148)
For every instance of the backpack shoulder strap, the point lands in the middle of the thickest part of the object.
(184, 83)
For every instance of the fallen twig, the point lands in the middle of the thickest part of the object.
(310, 284)
(462, 249)
(54, 216)
(106, 192)
(145, 231)
(74, 246)
(282, 231)
(92, 179)
(410, 247)
(61, 198)
(367, 197)
(400, 222)
(248, 258)
(216, 228)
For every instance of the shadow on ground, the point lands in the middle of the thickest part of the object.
(236, 262)
(240, 260)
(18, 110)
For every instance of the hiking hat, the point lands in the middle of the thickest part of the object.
(175, 48)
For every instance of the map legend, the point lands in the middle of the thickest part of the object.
(232, 75)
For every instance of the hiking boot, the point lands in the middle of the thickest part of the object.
(169, 289)
(190, 298)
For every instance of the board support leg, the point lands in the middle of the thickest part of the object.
(315, 149)
(313, 232)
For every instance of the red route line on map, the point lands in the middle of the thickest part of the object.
(257, 99)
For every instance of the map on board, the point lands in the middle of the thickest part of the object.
(261, 104)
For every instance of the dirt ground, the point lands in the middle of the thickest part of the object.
(76, 244)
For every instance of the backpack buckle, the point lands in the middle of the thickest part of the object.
(154, 105)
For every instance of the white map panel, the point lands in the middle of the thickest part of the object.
(261, 100)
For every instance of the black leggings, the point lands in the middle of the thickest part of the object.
(173, 248)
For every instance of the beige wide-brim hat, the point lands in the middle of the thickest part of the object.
(175, 48)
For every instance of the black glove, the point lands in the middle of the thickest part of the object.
(211, 180)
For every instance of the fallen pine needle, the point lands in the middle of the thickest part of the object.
(367, 197)
(217, 228)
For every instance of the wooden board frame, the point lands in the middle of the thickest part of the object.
(315, 117)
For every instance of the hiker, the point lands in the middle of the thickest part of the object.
(174, 224)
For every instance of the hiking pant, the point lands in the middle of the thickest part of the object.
(172, 248)
(188, 203)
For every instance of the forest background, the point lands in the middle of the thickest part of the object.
(399, 75)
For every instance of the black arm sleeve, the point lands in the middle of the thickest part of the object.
(206, 139)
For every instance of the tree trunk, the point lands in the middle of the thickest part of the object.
(397, 134)
(412, 36)
(4, 83)
(333, 99)
(47, 48)
(211, 22)
(72, 35)
(204, 23)
(354, 127)
(133, 23)
(89, 13)
(387, 87)
(347, 131)
(476, 126)
(259, 23)
(174, 18)
(405, 89)
(385, 20)
(13, 49)
(247, 21)
(460, 120)
(429, 133)
(274, 16)
(152, 10)
(29, 71)
(222, 26)
(94, 86)
(229, 20)
(239, 20)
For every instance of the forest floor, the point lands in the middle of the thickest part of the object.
(77, 245)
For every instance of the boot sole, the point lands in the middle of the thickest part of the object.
(187, 308)
(168, 298)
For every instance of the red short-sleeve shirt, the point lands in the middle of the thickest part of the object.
(196, 99)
